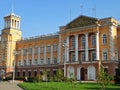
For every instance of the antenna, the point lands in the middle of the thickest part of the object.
(70, 14)
(12, 8)
(81, 5)
(94, 11)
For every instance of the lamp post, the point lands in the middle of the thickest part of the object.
(14, 53)
(65, 46)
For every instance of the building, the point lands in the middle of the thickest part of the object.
(78, 47)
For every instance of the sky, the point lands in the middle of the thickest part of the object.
(40, 17)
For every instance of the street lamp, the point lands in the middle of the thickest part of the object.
(65, 46)
(14, 53)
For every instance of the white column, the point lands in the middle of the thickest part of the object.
(97, 46)
(86, 47)
(76, 47)
(19, 24)
(45, 55)
(38, 55)
(111, 42)
(51, 55)
(33, 56)
(21, 56)
(67, 49)
(27, 58)
(59, 50)
(10, 23)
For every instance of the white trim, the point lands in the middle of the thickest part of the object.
(97, 46)
(51, 55)
(86, 47)
(76, 47)
(67, 51)
(45, 55)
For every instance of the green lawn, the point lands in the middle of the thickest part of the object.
(65, 86)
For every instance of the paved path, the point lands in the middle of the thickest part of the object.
(9, 86)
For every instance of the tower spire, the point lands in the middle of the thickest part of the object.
(12, 9)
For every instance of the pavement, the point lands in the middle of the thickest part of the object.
(9, 86)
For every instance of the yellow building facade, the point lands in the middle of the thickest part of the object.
(78, 47)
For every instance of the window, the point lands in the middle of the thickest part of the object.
(73, 57)
(83, 42)
(73, 42)
(48, 48)
(19, 63)
(35, 73)
(24, 62)
(36, 50)
(42, 49)
(55, 60)
(64, 57)
(65, 41)
(36, 62)
(41, 72)
(93, 56)
(24, 51)
(104, 39)
(55, 47)
(30, 62)
(104, 55)
(29, 73)
(93, 38)
(106, 71)
(83, 56)
(41, 61)
(48, 61)
(18, 73)
(3, 57)
(30, 50)
(23, 73)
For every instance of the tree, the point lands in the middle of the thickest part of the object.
(103, 78)
(117, 77)
(72, 80)
(59, 75)
(45, 73)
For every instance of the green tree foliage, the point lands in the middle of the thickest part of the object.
(117, 77)
(45, 73)
(59, 74)
(103, 78)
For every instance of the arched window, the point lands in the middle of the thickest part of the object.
(104, 39)
(83, 42)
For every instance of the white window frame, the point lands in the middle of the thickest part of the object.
(83, 42)
(83, 56)
(93, 55)
(73, 42)
(104, 57)
(73, 57)
(104, 39)
(93, 40)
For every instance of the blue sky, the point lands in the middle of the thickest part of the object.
(45, 16)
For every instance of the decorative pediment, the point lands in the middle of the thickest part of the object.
(82, 21)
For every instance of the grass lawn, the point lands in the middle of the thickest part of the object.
(65, 86)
